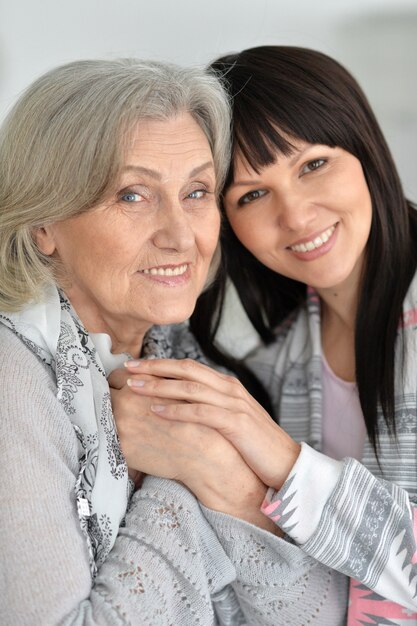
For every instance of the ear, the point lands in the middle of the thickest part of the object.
(44, 239)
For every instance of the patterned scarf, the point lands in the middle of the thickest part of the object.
(81, 363)
(52, 330)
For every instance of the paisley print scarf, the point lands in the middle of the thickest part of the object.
(52, 330)
(80, 363)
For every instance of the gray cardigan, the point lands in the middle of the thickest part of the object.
(173, 563)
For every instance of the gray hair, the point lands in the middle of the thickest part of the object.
(61, 149)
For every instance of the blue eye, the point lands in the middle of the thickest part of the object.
(251, 196)
(131, 196)
(197, 194)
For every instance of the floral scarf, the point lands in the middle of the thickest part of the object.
(81, 363)
(52, 330)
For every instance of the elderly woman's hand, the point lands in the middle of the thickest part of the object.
(193, 454)
(120, 405)
(207, 397)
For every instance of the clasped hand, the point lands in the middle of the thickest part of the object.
(183, 420)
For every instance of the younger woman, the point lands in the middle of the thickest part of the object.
(321, 244)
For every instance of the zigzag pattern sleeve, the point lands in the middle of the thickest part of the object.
(347, 519)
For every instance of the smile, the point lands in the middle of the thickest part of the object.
(179, 270)
(315, 243)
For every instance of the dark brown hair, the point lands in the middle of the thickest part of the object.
(281, 92)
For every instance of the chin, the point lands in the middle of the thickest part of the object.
(172, 317)
(336, 282)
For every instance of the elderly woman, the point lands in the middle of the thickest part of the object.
(108, 226)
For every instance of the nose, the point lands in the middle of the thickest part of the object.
(174, 231)
(295, 213)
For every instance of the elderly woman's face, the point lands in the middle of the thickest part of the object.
(142, 257)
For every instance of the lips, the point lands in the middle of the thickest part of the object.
(314, 243)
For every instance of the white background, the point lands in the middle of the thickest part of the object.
(375, 39)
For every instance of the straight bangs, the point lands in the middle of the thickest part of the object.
(264, 130)
(278, 100)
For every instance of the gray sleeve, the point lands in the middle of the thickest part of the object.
(166, 562)
(276, 581)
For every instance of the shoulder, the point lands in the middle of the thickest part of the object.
(19, 363)
(30, 413)
(186, 346)
(291, 346)
(180, 341)
(12, 347)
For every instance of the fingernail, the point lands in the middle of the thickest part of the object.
(132, 363)
(133, 382)
(157, 408)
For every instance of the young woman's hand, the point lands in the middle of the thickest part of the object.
(194, 454)
(193, 393)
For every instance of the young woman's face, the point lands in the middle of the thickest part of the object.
(306, 216)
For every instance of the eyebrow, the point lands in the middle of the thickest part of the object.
(298, 154)
(139, 169)
(244, 183)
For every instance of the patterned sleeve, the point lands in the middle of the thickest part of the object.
(347, 519)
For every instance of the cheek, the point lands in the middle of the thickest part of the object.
(353, 189)
(207, 234)
(76, 240)
(74, 250)
(92, 258)
(248, 230)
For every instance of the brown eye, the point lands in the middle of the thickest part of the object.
(313, 165)
(251, 196)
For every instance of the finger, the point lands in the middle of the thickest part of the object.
(240, 429)
(203, 414)
(119, 377)
(191, 391)
(182, 369)
(192, 371)
(124, 399)
(233, 425)
(264, 446)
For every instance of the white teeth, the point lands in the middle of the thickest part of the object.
(317, 242)
(169, 271)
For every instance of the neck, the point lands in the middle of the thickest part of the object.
(126, 334)
(338, 320)
(340, 303)
(339, 307)
(121, 342)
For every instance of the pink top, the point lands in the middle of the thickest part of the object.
(343, 426)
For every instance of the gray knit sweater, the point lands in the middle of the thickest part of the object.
(174, 563)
